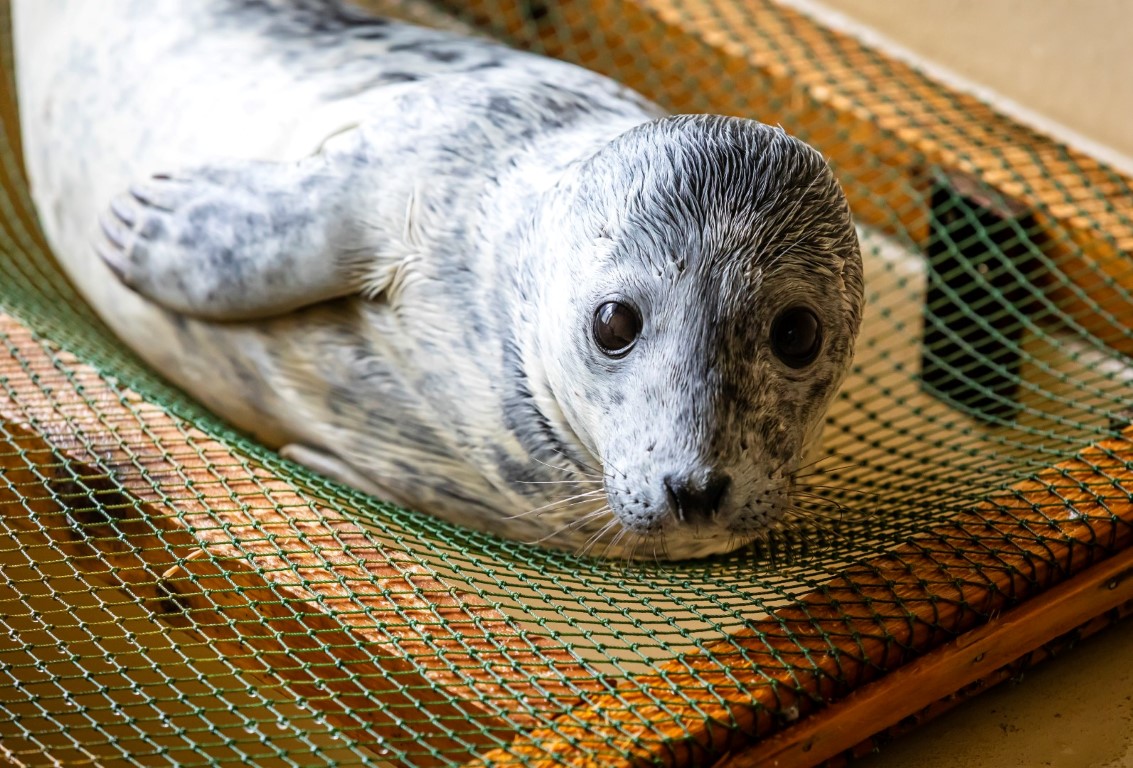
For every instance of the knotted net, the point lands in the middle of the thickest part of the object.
(173, 594)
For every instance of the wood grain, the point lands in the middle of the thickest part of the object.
(1015, 670)
(968, 659)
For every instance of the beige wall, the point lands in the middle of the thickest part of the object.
(1068, 60)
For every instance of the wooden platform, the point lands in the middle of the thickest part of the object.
(310, 599)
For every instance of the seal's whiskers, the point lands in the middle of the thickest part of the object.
(589, 543)
(824, 471)
(802, 521)
(614, 542)
(559, 482)
(815, 498)
(591, 473)
(561, 504)
(577, 523)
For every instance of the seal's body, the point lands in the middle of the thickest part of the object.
(482, 283)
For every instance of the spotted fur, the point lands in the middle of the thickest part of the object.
(381, 247)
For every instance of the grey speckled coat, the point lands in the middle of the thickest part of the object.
(382, 249)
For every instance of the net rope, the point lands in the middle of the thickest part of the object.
(986, 358)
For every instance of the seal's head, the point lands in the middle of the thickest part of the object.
(702, 313)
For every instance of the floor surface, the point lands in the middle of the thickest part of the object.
(1073, 711)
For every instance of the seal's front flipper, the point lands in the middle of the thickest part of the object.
(236, 242)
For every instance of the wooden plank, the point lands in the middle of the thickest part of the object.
(868, 621)
(277, 584)
(1012, 671)
(882, 124)
(966, 660)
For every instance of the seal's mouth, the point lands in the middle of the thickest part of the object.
(702, 509)
(675, 541)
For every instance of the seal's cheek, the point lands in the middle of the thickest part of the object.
(765, 502)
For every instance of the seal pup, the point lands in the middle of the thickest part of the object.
(481, 283)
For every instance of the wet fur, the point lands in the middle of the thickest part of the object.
(451, 212)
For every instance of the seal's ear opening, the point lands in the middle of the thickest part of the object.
(978, 297)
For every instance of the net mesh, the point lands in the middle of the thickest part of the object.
(173, 594)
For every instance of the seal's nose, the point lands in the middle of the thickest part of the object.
(696, 498)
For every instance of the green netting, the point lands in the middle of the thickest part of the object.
(973, 373)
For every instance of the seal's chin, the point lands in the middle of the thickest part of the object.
(667, 536)
(677, 542)
(720, 544)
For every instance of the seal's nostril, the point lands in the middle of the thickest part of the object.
(696, 500)
(673, 494)
(715, 486)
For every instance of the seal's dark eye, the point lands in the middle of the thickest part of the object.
(616, 327)
(796, 337)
